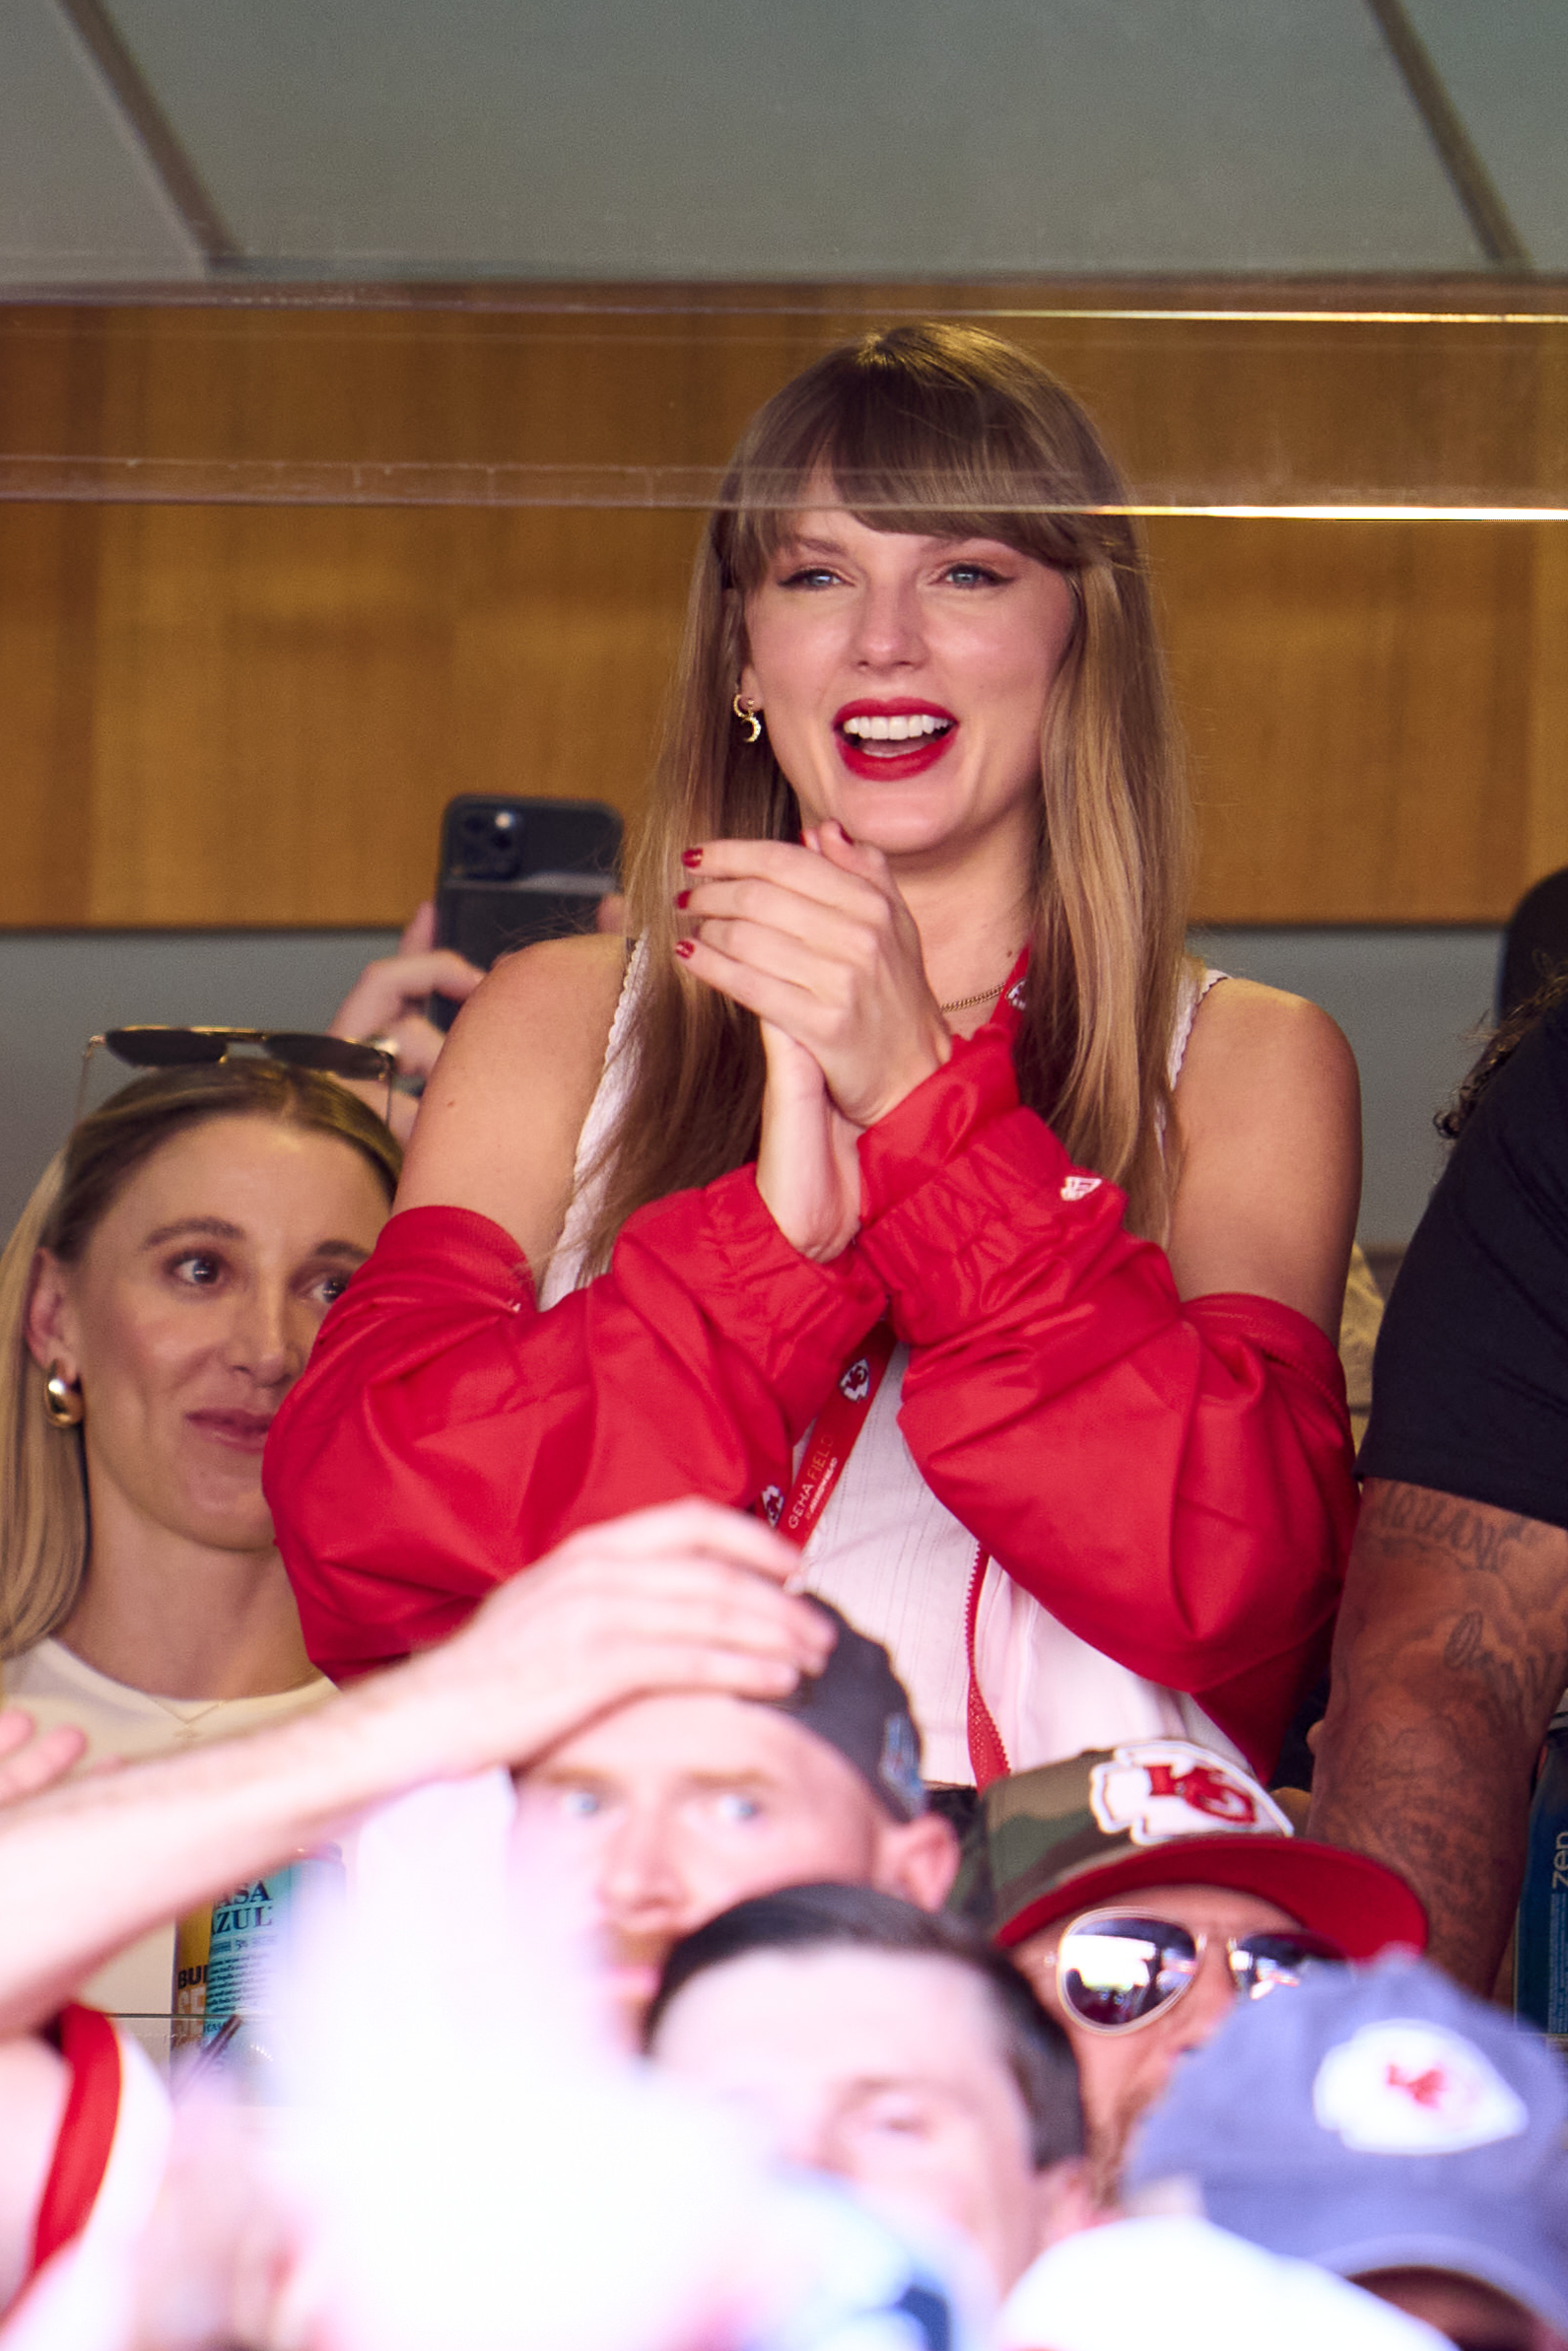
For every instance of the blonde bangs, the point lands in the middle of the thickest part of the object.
(901, 448)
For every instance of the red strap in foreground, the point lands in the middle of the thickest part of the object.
(987, 1758)
(838, 1423)
(87, 2041)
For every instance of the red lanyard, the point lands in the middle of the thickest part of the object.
(844, 1416)
(838, 1423)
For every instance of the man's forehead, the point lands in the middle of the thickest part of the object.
(905, 2012)
(699, 1736)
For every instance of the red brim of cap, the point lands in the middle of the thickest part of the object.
(1362, 1906)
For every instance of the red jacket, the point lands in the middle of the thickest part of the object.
(1172, 1481)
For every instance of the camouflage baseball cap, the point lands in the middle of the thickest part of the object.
(1051, 1843)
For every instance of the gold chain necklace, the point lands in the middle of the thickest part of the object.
(966, 1004)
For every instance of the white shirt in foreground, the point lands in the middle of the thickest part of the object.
(1186, 2286)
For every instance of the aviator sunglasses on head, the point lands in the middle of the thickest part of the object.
(1118, 1970)
(153, 1048)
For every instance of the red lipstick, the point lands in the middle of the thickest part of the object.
(883, 754)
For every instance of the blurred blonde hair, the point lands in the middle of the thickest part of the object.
(45, 1525)
(950, 432)
(42, 1486)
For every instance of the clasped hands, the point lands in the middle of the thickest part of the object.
(816, 941)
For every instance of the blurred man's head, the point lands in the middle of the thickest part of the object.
(1388, 2127)
(890, 2046)
(1143, 1891)
(676, 1807)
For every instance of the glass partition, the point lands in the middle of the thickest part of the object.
(632, 397)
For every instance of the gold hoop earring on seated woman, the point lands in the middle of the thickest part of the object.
(747, 712)
(63, 1399)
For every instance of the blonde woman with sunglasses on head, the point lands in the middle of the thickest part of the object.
(158, 1299)
(911, 1184)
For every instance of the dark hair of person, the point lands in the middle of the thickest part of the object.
(43, 1517)
(1535, 942)
(1036, 2051)
(1499, 1049)
(940, 430)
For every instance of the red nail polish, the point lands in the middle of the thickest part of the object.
(690, 856)
(683, 897)
(685, 947)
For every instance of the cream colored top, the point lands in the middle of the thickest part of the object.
(56, 1686)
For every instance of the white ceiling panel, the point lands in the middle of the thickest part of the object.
(1505, 65)
(800, 138)
(78, 200)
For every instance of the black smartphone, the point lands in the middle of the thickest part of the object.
(515, 870)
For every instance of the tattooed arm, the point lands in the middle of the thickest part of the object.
(1451, 1654)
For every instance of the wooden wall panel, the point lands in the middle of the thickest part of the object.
(1357, 699)
(260, 713)
(1545, 843)
(230, 714)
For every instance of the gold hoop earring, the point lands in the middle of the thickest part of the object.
(62, 1400)
(747, 712)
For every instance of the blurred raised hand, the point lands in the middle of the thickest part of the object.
(27, 1762)
(386, 1002)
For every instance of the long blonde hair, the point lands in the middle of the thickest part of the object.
(44, 1530)
(942, 431)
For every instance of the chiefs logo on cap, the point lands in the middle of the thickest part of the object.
(1403, 2087)
(1162, 1788)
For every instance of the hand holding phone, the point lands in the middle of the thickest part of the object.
(513, 871)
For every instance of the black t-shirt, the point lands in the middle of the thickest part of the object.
(1470, 1391)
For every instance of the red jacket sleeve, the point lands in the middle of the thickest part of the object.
(1172, 1479)
(445, 1433)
